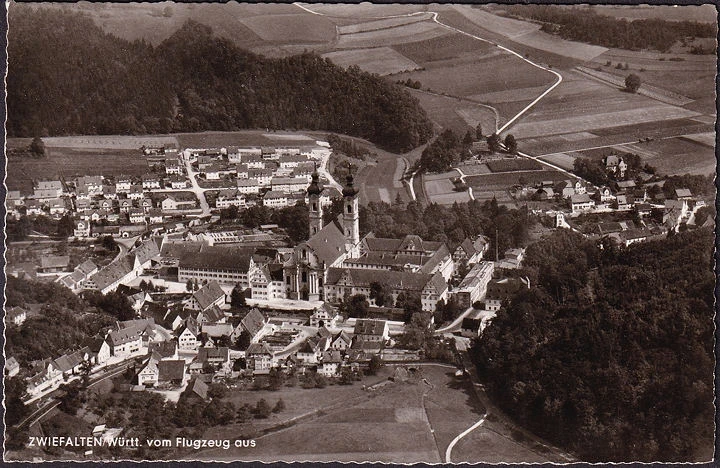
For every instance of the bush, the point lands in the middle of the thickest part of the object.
(279, 406)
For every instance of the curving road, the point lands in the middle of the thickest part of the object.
(509, 123)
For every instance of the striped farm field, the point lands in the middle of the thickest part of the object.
(363, 10)
(293, 28)
(381, 24)
(549, 43)
(600, 120)
(380, 60)
(444, 49)
(563, 160)
(397, 35)
(443, 110)
(707, 138)
(508, 27)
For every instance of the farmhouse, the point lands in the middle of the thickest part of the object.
(124, 342)
(178, 182)
(229, 197)
(150, 182)
(46, 189)
(172, 372)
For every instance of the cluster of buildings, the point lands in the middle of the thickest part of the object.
(98, 202)
(273, 176)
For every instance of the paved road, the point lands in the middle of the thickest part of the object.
(455, 324)
(196, 189)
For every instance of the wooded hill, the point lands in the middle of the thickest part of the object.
(69, 77)
(610, 355)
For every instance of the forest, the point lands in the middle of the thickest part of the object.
(64, 321)
(69, 77)
(610, 354)
(584, 25)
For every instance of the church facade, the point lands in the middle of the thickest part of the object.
(335, 262)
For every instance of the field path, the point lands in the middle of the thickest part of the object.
(434, 18)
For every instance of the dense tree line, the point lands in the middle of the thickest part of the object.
(445, 152)
(610, 354)
(294, 219)
(449, 224)
(64, 320)
(584, 25)
(69, 77)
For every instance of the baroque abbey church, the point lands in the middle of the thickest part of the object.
(335, 262)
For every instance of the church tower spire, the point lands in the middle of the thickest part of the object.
(351, 218)
(315, 209)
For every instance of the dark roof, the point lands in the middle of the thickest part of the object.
(328, 243)
(258, 348)
(471, 324)
(213, 314)
(123, 336)
(369, 327)
(349, 189)
(315, 187)
(215, 257)
(208, 294)
(199, 388)
(162, 348)
(146, 251)
(331, 356)
(205, 354)
(171, 370)
(411, 243)
(52, 261)
(253, 322)
(403, 280)
(112, 272)
(86, 267)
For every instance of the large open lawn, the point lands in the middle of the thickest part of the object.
(445, 111)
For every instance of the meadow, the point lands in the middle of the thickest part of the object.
(389, 36)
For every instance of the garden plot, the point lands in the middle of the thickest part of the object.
(397, 35)
(503, 181)
(380, 60)
(511, 95)
(563, 160)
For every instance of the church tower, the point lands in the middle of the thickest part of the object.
(351, 218)
(315, 208)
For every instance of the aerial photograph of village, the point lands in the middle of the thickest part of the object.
(399, 233)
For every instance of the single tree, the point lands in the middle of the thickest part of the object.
(375, 364)
(189, 285)
(511, 143)
(279, 406)
(632, 83)
(478, 132)
(237, 297)
(262, 409)
(37, 147)
(494, 143)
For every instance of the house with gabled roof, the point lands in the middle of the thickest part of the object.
(253, 323)
(341, 341)
(12, 367)
(217, 358)
(171, 372)
(259, 357)
(330, 362)
(212, 315)
(470, 251)
(160, 350)
(125, 341)
(148, 374)
(208, 296)
(188, 334)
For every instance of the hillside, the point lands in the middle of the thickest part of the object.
(70, 77)
(611, 353)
